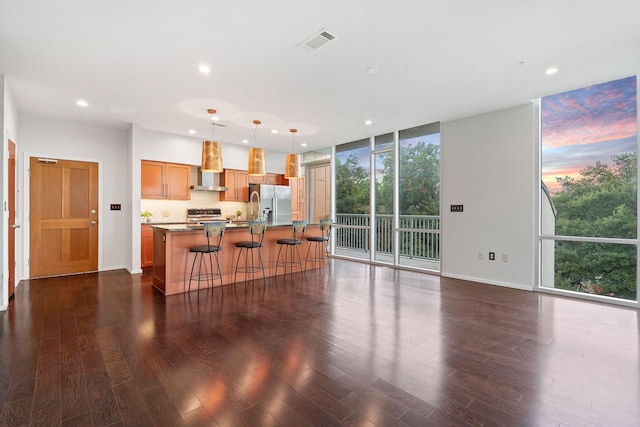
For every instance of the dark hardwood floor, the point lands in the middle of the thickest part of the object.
(353, 345)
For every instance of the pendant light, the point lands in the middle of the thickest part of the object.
(211, 152)
(256, 156)
(292, 165)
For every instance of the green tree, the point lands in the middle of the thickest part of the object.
(419, 181)
(600, 204)
(352, 187)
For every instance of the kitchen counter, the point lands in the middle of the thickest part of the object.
(191, 227)
(172, 260)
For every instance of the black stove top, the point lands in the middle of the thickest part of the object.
(214, 212)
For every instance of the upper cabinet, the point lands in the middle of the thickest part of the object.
(237, 184)
(165, 180)
(270, 178)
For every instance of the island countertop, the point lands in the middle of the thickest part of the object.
(199, 227)
(172, 260)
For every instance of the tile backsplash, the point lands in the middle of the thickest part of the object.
(176, 210)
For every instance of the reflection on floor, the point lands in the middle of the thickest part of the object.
(351, 344)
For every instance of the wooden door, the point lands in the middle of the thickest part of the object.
(63, 217)
(12, 217)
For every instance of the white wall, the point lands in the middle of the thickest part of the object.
(488, 165)
(8, 130)
(166, 147)
(118, 153)
(75, 141)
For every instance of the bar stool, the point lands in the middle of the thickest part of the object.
(290, 246)
(213, 231)
(257, 230)
(320, 244)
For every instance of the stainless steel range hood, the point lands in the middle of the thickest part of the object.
(208, 181)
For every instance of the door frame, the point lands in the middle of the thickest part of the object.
(26, 194)
(12, 204)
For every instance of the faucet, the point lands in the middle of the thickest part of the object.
(258, 216)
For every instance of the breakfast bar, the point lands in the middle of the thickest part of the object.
(172, 260)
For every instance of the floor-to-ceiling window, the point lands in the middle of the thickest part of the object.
(382, 159)
(388, 198)
(353, 199)
(419, 197)
(589, 159)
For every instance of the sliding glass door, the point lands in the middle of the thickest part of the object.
(353, 200)
(388, 198)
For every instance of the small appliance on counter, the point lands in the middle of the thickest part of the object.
(199, 216)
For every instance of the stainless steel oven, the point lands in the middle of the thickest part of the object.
(199, 216)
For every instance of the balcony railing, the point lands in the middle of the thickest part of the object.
(419, 235)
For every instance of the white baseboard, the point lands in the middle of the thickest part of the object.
(488, 282)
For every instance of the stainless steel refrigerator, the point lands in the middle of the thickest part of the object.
(270, 202)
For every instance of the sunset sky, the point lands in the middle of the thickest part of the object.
(583, 126)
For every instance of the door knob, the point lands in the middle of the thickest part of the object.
(93, 223)
(93, 211)
(14, 226)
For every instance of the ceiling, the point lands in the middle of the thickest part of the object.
(137, 62)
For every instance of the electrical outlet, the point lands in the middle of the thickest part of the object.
(480, 255)
(165, 213)
(505, 258)
(492, 256)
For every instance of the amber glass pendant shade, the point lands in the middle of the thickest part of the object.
(211, 156)
(256, 157)
(292, 166)
(256, 162)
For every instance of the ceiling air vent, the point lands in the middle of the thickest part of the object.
(315, 41)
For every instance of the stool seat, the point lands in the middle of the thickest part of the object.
(320, 244)
(213, 231)
(317, 239)
(249, 245)
(289, 241)
(298, 228)
(257, 229)
(205, 248)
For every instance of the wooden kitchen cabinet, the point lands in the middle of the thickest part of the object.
(237, 182)
(298, 192)
(146, 247)
(270, 178)
(165, 180)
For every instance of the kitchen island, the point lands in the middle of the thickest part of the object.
(172, 260)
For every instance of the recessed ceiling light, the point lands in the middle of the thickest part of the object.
(274, 130)
(245, 141)
(550, 71)
(368, 122)
(304, 144)
(372, 70)
(204, 69)
(82, 103)
(191, 131)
